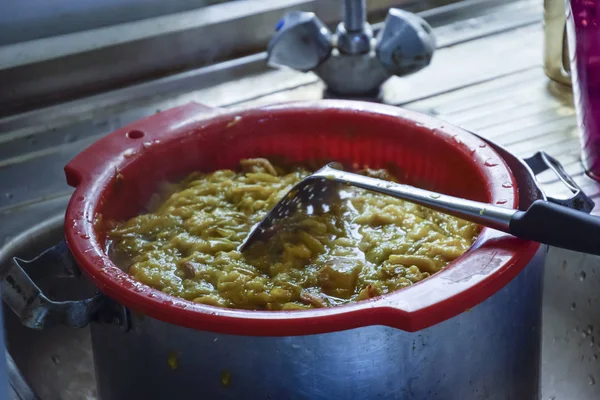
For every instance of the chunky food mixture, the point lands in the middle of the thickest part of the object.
(366, 245)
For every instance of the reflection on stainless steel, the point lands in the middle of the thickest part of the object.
(356, 66)
(19, 388)
(5, 368)
(484, 77)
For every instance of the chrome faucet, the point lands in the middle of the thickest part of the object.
(351, 62)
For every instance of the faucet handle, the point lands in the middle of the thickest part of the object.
(302, 42)
(405, 44)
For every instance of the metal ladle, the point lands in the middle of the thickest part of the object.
(543, 222)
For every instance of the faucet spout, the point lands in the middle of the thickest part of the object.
(353, 33)
(354, 15)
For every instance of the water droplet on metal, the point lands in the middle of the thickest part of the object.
(473, 23)
(55, 359)
(84, 236)
(9, 195)
(573, 306)
(225, 378)
(582, 276)
(507, 185)
(490, 163)
(483, 145)
(129, 153)
(502, 201)
(173, 360)
(434, 196)
(591, 380)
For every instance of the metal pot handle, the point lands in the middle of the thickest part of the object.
(36, 310)
(542, 161)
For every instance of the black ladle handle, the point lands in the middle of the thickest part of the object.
(558, 226)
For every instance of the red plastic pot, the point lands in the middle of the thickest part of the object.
(115, 177)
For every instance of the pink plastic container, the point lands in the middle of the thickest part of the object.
(583, 29)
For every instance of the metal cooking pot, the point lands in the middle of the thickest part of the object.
(469, 332)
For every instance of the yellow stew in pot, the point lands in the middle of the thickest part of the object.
(367, 244)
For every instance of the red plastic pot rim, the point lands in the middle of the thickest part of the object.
(493, 261)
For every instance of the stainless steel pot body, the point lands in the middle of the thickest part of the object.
(489, 352)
